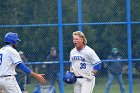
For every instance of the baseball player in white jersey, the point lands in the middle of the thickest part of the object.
(85, 63)
(9, 60)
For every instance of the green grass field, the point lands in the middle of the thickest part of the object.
(99, 86)
(97, 89)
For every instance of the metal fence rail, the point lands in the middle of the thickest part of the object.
(80, 25)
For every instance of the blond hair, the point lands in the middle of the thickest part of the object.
(80, 34)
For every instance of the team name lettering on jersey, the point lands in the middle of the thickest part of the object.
(77, 58)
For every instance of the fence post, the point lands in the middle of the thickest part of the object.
(60, 44)
(80, 15)
(129, 45)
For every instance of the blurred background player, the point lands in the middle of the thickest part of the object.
(52, 71)
(85, 63)
(53, 68)
(9, 60)
(115, 70)
(22, 78)
(25, 60)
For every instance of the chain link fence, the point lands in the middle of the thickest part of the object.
(104, 23)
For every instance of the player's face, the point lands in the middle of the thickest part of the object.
(78, 42)
(15, 45)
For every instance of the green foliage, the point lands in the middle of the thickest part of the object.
(36, 41)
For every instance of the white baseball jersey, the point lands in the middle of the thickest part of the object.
(9, 58)
(83, 60)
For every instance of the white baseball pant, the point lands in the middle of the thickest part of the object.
(9, 84)
(83, 85)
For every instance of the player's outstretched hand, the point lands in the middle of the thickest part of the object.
(39, 77)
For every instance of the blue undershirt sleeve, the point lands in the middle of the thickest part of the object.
(24, 68)
(97, 66)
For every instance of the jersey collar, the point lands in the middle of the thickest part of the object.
(7, 46)
(81, 49)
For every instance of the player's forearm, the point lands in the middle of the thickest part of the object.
(33, 74)
(38, 77)
(24, 68)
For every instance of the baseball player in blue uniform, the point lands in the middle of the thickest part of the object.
(85, 63)
(9, 60)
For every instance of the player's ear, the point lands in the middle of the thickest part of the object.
(84, 40)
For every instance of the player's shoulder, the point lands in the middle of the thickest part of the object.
(89, 51)
(87, 48)
(73, 49)
(11, 50)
